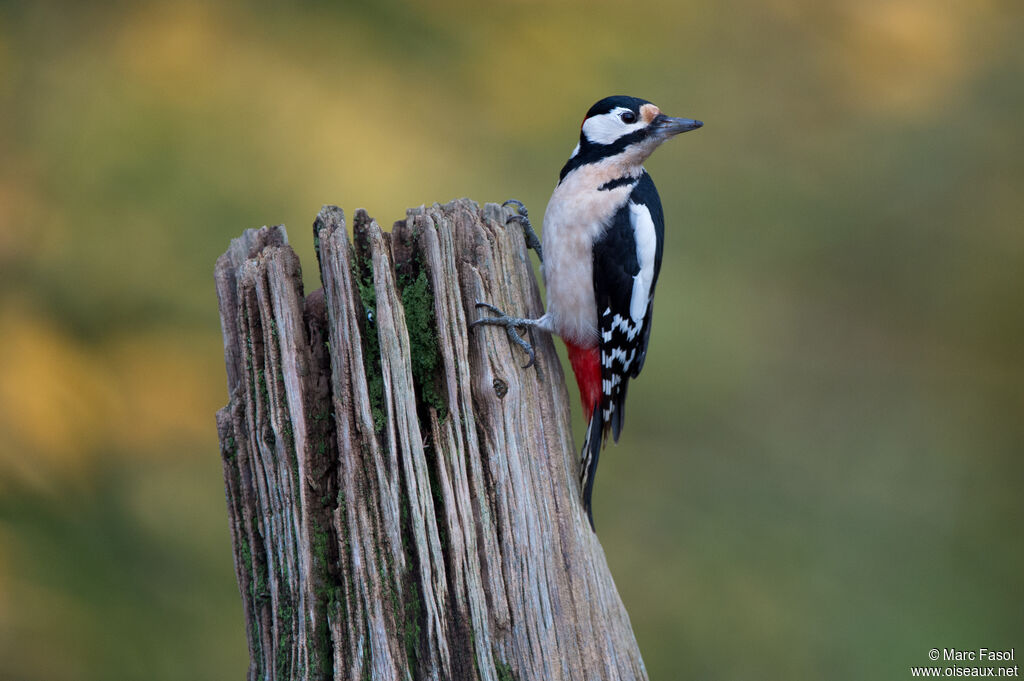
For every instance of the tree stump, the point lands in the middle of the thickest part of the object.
(403, 496)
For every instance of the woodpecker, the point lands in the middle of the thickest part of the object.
(604, 234)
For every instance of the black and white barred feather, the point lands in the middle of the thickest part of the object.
(627, 260)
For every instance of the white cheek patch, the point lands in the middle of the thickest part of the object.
(575, 151)
(607, 128)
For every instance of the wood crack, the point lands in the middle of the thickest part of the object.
(401, 494)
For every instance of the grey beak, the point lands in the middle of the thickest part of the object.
(668, 126)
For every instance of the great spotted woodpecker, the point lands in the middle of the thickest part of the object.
(603, 241)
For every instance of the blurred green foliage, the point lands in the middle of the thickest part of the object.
(821, 473)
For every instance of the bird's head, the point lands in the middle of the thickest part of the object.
(626, 128)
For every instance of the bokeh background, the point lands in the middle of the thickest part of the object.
(821, 474)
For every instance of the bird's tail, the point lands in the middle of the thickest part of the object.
(589, 455)
(586, 364)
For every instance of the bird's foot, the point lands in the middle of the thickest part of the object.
(522, 216)
(510, 324)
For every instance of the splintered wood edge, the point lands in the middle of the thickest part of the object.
(501, 463)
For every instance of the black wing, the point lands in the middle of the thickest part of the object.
(624, 338)
(646, 193)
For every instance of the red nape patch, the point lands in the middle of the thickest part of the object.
(586, 364)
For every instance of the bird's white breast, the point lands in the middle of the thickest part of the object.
(576, 216)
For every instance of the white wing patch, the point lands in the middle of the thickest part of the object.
(646, 246)
(608, 127)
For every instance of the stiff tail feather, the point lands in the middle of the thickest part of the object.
(586, 364)
(589, 455)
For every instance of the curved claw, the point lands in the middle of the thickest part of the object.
(522, 216)
(518, 204)
(527, 348)
(496, 310)
(510, 324)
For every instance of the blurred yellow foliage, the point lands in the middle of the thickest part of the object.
(64, 403)
(892, 56)
(322, 128)
(56, 401)
(26, 222)
(166, 396)
(904, 55)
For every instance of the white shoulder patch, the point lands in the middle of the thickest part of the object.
(607, 128)
(646, 247)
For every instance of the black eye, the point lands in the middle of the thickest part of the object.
(628, 117)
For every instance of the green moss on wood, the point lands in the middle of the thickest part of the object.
(504, 671)
(363, 274)
(246, 553)
(327, 595)
(413, 608)
(284, 641)
(418, 303)
(258, 589)
(261, 381)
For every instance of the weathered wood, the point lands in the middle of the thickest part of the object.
(403, 497)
